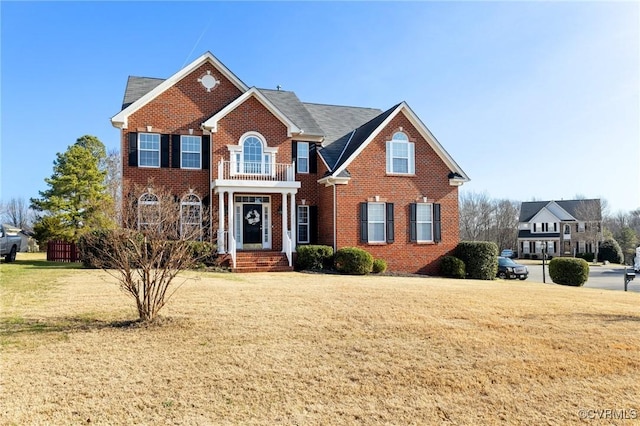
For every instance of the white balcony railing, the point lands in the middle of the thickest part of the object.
(232, 170)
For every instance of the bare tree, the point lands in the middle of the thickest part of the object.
(16, 212)
(506, 217)
(150, 248)
(590, 213)
(113, 182)
(476, 210)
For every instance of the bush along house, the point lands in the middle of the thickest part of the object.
(275, 172)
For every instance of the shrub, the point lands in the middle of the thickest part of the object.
(586, 256)
(569, 271)
(610, 250)
(353, 261)
(452, 267)
(91, 244)
(480, 259)
(314, 257)
(204, 253)
(379, 266)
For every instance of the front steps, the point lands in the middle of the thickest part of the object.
(261, 261)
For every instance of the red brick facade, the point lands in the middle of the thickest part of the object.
(184, 106)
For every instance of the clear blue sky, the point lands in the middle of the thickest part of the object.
(534, 100)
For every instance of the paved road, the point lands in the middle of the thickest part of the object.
(608, 277)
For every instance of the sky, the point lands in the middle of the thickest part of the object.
(534, 100)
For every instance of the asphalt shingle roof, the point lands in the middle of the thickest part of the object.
(137, 87)
(529, 209)
(337, 121)
(289, 104)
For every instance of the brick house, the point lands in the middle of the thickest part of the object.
(275, 172)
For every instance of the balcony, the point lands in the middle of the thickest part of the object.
(255, 175)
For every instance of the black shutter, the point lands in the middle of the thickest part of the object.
(175, 151)
(294, 151)
(437, 227)
(313, 158)
(313, 224)
(133, 149)
(390, 233)
(413, 228)
(364, 234)
(164, 150)
(206, 154)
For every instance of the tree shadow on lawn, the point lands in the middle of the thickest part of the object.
(34, 263)
(16, 326)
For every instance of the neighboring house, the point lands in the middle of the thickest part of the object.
(568, 227)
(27, 243)
(277, 172)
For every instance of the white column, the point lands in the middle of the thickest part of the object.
(221, 241)
(293, 221)
(284, 220)
(230, 214)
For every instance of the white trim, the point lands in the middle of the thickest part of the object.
(150, 150)
(418, 222)
(424, 132)
(182, 151)
(307, 224)
(120, 120)
(212, 123)
(306, 156)
(383, 222)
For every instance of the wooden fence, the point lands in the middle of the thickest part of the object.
(61, 251)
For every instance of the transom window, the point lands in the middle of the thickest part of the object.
(190, 152)
(149, 151)
(303, 224)
(191, 217)
(148, 211)
(376, 222)
(400, 154)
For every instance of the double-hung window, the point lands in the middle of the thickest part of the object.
(303, 224)
(149, 151)
(190, 152)
(425, 224)
(302, 157)
(376, 222)
(400, 155)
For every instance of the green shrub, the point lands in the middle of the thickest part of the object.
(610, 250)
(353, 261)
(204, 253)
(379, 266)
(569, 271)
(480, 259)
(586, 256)
(452, 267)
(314, 257)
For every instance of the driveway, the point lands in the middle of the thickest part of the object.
(608, 277)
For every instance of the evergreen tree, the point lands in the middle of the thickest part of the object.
(76, 200)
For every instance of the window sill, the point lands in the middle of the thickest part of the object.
(401, 174)
(425, 243)
(377, 243)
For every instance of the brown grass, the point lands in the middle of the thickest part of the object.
(294, 348)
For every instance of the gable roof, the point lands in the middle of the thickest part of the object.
(356, 141)
(289, 104)
(120, 119)
(137, 87)
(212, 122)
(336, 120)
(574, 208)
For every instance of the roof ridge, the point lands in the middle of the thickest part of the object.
(340, 106)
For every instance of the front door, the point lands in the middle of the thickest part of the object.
(251, 224)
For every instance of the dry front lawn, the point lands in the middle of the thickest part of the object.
(310, 349)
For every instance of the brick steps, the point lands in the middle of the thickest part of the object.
(261, 261)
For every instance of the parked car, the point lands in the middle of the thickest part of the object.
(508, 269)
(508, 253)
(9, 245)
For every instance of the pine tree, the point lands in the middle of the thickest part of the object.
(76, 200)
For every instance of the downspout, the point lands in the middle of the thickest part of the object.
(211, 192)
